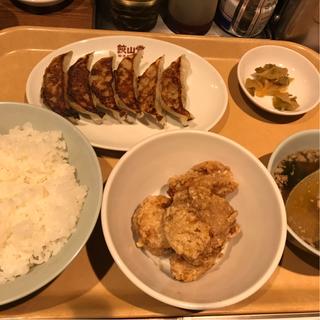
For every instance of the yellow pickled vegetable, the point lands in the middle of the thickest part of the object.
(272, 80)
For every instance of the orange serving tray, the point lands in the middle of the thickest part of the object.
(92, 286)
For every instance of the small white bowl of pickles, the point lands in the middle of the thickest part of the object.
(294, 164)
(279, 80)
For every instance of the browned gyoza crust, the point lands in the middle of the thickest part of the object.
(78, 89)
(53, 90)
(101, 83)
(125, 84)
(147, 88)
(172, 91)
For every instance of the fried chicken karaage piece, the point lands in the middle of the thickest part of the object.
(187, 235)
(147, 225)
(212, 175)
(197, 225)
(183, 271)
(194, 225)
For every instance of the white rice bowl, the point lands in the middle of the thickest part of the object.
(51, 238)
(40, 199)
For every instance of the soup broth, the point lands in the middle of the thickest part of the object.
(303, 209)
(297, 177)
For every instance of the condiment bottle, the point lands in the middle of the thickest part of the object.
(135, 15)
(190, 16)
(244, 18)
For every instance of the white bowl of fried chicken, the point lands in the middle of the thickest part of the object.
(193, 219)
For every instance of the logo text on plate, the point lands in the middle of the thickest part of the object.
(123, 50)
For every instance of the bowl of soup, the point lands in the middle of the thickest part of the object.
(294, 164)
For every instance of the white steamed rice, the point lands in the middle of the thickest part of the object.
(40, 199)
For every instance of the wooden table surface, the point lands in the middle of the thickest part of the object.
(69, 13)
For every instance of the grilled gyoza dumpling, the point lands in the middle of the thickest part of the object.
(173, 89)
(125, 83)
(53, 90)
(78, 88)
(102, 87)
(148, 91)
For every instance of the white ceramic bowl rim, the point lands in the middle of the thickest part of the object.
(41, 3)
(271, 164)
(162, 297)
